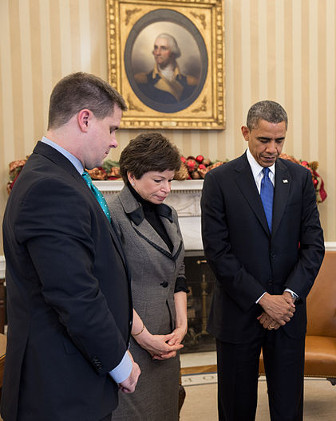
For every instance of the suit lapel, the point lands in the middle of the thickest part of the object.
(144, 228)
(146, 231)
(248, 188)
(282, 185)
(173, 235)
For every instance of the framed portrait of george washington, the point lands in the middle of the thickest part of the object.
(167, 60)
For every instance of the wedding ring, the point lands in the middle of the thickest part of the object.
(270, 327)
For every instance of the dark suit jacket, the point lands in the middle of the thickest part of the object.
(246, 259)
(69, 302)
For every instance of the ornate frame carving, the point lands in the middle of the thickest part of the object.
(198, 26)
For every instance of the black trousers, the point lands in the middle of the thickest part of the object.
(237, 366)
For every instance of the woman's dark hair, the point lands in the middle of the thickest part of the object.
(149, 152)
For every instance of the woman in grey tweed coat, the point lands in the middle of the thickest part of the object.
(152, 242)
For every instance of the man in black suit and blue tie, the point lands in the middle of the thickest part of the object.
(69, 297)
(263, 239)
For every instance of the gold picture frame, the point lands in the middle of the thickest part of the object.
(197, 99)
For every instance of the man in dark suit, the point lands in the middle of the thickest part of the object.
(69, 302)
(263, 240)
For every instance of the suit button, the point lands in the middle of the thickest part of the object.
(164, 284)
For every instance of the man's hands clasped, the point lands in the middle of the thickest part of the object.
(278, 310)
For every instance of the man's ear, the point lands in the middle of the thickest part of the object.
(83, 118)
(131, 178)
(246, 133)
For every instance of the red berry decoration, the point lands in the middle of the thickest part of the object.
(315, 182)
(201, 166)
(199, 158)
(183, 159)
(191, 164)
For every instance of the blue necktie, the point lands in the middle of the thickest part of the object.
(98, 195)
(266, 195)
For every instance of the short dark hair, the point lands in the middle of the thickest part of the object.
(78, 91)
(266, 110)
(149, 152)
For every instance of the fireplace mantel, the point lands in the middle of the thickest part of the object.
(114, 186)
(184, 197)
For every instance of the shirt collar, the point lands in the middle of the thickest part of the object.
(257, 168)
(75, 161)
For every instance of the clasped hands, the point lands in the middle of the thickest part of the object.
(278, 310)
(162, 347)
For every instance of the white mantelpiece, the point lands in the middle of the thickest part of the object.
(184, 197)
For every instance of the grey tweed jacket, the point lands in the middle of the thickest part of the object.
(154, 268)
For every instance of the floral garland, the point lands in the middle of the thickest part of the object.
(192, 168)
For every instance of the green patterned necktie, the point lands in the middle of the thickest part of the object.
(98, 195)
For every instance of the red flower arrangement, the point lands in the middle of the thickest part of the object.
(192, 168)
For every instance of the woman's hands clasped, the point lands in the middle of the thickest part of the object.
(161, 347)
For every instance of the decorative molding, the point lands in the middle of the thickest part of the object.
(185, 196)
(115, 186)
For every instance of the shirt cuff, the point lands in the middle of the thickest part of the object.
(292, 293)
(260, 298)
(123, 369)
